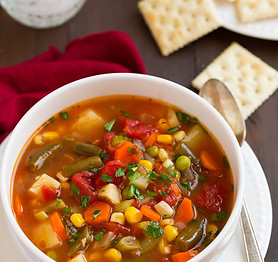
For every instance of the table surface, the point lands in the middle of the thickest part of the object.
(19, 43)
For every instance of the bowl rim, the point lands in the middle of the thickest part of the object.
(6, 196)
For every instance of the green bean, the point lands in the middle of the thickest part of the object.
(147, 244)
(192, 235)
(118, 139)
(152, 151)
(183, 149)
(79, 243)
(87, 149)
(45, 154)
(123, 206)
(183, 163)
(82, 165)
(128, 243)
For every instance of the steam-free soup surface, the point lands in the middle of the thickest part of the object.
(122, 178)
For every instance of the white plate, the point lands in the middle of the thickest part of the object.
(257, 197)
(264, 29)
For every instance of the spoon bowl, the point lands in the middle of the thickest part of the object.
(219, 96)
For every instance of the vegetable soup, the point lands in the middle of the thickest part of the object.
(122, 178)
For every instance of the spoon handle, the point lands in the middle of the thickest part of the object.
(251, 243)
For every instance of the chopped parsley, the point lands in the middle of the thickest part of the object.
(127, 115)
(173, 173)
(135, 192)
(52, 119)
(131, 151)
(64, 115)
(103, 155)
(108, 127)
(93, 170)
(99, 235)
(162, 193)
(226, 162)
(58, 201)
(185, 185)
(154, 230)
(187, 119)
(151, 193)
(67, 209)
(202, 178)
(219, 216)
(165, 177)
(75, 189)
(153, 175)
(131, 172)
(106, 178)
(72, 240)
(173, 129)
(95, 213)
(120, 172)
(85, 200)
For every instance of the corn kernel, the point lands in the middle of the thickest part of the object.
(49, 136)
(133, 215)
(146, 164)
(38, 140)
(162, 154)
(211, 229)
(118, 217)
(167, 221)
(113, 255)
(164, 247)
(168, 163)
(180, 135)
(162, 125)
(164, 139)
(95, 256)
(170, 233)
(77, 219)
(65, 185)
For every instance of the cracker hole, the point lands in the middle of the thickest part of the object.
(258, 90)
(244, 103)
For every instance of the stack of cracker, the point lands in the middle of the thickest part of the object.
(250, 80)
(175, 23)
(254, 10)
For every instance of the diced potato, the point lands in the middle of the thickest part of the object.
(194, 137)
(78, 258)
(172, 118)
(44, 180)
(44, 236)
(164, 209)
(88, 121)
(111, 193)
(141, 182)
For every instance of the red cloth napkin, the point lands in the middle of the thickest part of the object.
(23, 85)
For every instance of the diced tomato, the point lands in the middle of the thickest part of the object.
(212, 197)
(84, 181)
(164, 193)
(109, 169)
(48, 194)
(116, 228)
(136, 129)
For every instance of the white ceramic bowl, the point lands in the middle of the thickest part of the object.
(115, 84)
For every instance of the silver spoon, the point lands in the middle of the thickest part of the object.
(219, 96)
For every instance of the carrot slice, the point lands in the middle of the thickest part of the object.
(127, 152)
(151, 214)
(208, 161)
(151, 140)
(185, 212)
(18, 207)
(175, 189)
(58, 226)
(184, 256)
(97, 213)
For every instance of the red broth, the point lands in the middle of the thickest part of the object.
(122, 178)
